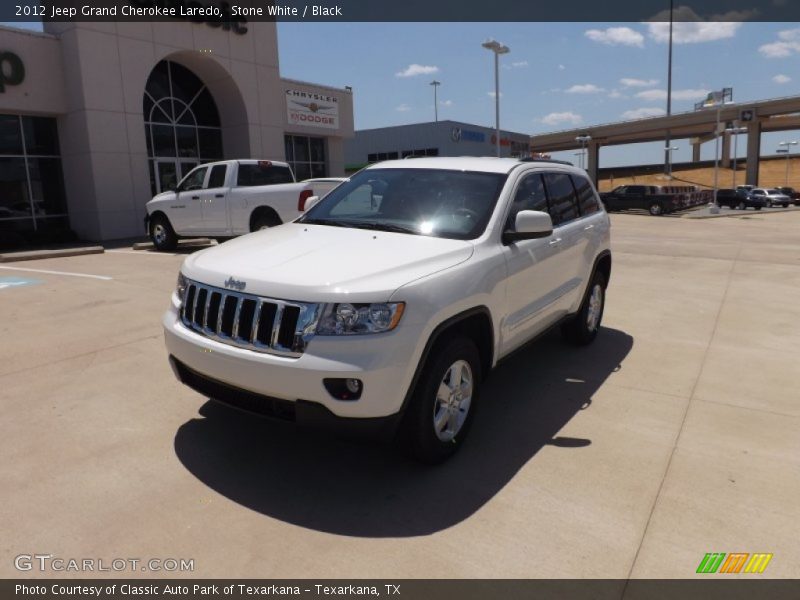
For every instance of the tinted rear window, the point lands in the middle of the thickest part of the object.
(217, 177)
(563, 203)
(262, 174)
(586, 196)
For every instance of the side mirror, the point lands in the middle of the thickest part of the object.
(310, 202)
(529, 225)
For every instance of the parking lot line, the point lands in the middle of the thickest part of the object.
(67, 273)
(143, 253)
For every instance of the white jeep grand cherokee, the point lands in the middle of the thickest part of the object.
(385, 305)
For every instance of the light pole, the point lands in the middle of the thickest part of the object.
(735, 130)
(787, 144)
(583, 140)
(498, 49)
(716, 100)
(669, 150)
(667, 153)
(435, 85)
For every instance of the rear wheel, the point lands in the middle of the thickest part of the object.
(656, 209)
(741, 205)
(769, 203)
(264, 221)
(162, 234)
(583, 327)
(443, 402)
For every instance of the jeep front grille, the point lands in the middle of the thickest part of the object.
(253, 322)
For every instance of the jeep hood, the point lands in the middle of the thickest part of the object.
(318, 263)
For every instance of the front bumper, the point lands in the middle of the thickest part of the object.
(385, 363)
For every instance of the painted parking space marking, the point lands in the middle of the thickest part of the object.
(143, 252)
(15, 282)
(66, 273)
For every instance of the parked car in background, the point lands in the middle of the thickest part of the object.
(740, 199)
(773, 197)
(656, 199)
(225, 199)
(322, 185)
(746, 188)
(793, 194)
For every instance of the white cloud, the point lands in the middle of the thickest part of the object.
(586, 88)
(519, 64)
(692, 32)
(556, 118)
(415, 69)
(633, 82)
(643, 113)
(788, 43)
(561, 67)
(445, 102)
(616, 94)
(653, 95)
(781, 79)
(616, 36)
(403, 108)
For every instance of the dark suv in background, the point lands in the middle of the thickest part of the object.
(740, 198)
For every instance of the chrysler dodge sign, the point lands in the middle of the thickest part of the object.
(312, 110)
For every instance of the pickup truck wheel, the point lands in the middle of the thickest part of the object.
(162, 234)
(443, 402)
(583, 327)
(769, 203)
(264, 221)
(655, 209)
(741, 205)
(757, 207)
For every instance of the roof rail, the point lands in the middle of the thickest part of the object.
(546, 160)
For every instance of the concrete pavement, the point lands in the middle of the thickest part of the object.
(674, 435)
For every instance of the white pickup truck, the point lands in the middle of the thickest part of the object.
(224, 199)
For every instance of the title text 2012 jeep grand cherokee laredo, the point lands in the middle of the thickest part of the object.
(385, 305)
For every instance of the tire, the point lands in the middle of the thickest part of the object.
(433, 430)
(741, 205)
(769, 203)
(656, 209)
(264, 221)
(581, 329)
(161, 233)
(757, 207)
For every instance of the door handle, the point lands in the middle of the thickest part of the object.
(588, 227)
(219, 195)
(555, 241)
(195, 197)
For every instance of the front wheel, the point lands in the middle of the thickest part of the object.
(581, 329)
(769, 203)
(656, 209)
(162, 234)
(443, 402)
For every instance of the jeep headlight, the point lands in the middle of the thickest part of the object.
(353, 319)
(180, 287)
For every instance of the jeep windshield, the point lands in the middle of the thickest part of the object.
(433, 202)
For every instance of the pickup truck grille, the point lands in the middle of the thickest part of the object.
(253, 322)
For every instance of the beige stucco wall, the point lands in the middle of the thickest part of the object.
(93, 75)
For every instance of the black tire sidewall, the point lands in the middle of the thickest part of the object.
(172, 240)
(575, 330)
(420, 438)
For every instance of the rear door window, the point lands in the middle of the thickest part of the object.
(587, 199)
(530, 196)
(216, 178)
(562, 199)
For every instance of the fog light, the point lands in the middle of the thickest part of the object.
(344, 389)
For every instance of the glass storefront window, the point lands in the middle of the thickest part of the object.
(306, 155)
(31, 180)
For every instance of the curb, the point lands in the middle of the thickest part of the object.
(733, 213)
(41, 254)
(181, 243)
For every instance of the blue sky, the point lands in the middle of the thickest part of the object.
(557, 75)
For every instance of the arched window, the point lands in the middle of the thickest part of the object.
(181, 122)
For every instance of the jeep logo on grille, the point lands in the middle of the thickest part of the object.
(235, 284)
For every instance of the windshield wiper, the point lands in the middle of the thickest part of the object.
(384, 227)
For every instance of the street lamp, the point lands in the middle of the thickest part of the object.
(435, 85)
(583, 140)
(716, 100)
(498, 49)
(735, 131)
(787, 144)
(669, 150)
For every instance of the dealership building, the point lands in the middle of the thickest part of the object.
(96, 118)
(439, 138)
